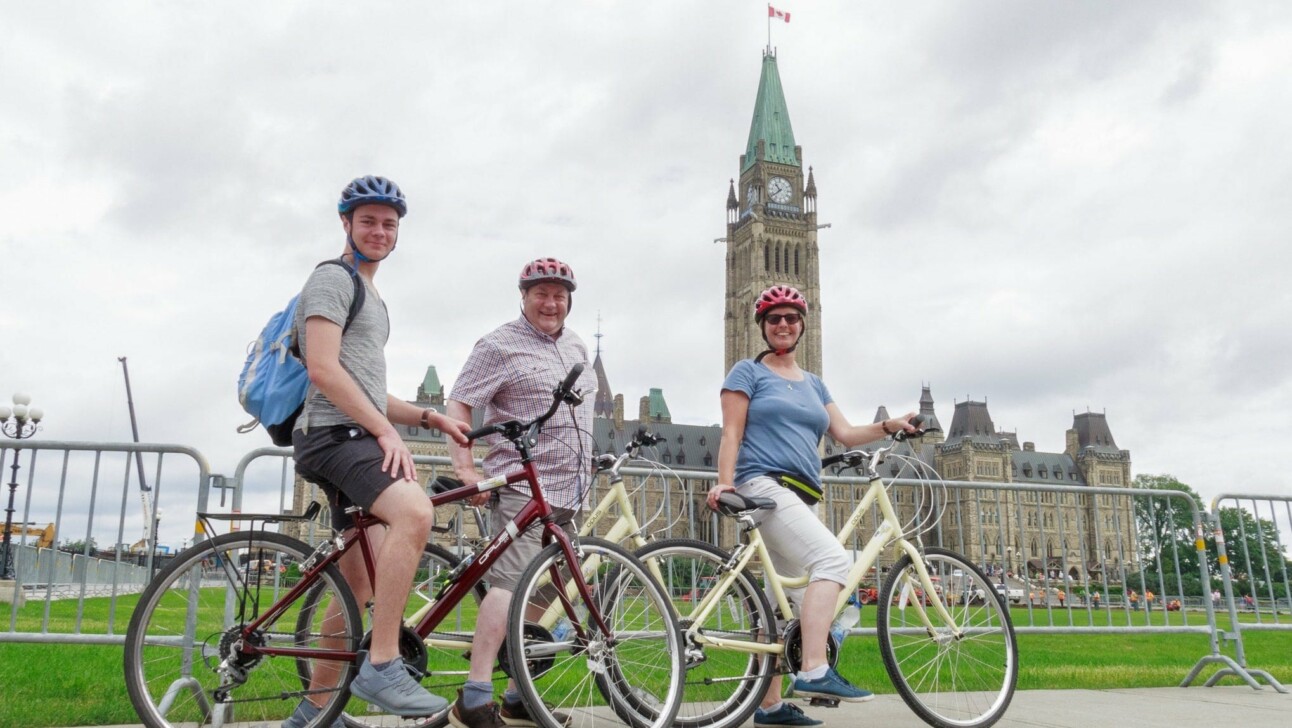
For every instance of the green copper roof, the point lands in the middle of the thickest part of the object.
(431, 384)
(658, 408)
(771, 120)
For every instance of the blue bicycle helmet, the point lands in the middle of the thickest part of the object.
(372, 190)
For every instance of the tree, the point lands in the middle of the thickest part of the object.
(80, 546)
(1165, 530)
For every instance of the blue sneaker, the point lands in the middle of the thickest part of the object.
(787, 714)
(306, 712)
(831, 685)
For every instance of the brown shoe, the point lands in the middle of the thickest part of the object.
(485, 716)
(518, 715)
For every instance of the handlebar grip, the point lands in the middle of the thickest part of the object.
(480, 432)
(572, 377)
(832, 460)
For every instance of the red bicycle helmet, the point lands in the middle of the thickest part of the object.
(779, 296)
(547, 270)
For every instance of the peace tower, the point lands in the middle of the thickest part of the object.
(771, 227)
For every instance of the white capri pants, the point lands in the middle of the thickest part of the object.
(798, 542)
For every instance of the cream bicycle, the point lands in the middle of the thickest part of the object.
(953, 660)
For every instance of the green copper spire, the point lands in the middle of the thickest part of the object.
(771, 120)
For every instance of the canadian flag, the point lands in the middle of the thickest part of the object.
(774, 13)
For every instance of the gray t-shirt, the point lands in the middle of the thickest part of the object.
(328, 293)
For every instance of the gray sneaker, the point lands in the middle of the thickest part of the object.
(394, 690)
(306, 712)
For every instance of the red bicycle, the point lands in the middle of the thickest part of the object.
(215, 640)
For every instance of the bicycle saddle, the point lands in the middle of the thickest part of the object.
(731, 503)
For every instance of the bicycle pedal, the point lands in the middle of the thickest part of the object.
(824, 702)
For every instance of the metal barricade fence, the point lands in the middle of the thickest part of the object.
(1072, 559)
(1250, 537)
(72, 486)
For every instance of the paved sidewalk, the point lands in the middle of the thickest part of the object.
(1140, 707)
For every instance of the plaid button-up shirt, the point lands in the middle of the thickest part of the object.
(511, 372)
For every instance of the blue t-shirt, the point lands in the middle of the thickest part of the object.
(785, 422)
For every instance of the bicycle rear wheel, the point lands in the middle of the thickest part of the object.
(960, 673)
(588, 675)
(439, 659)
(186, 658)
(723, 685)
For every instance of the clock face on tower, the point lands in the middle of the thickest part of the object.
(778, 188)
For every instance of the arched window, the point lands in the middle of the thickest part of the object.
(767, 257)
(778, 258)
(796, 260)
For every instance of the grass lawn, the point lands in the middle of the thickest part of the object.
(82, 685)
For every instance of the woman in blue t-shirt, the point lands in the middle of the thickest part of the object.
(773, 417)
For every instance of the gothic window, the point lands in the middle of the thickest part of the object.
(667, 458)
(767, 257)
(708, 460)
(796, 260)
(701, 440)
(681, 459)
(778, 257)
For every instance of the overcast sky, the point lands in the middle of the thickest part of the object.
(1053, 206)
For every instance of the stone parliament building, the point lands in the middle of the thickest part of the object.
(772, 238)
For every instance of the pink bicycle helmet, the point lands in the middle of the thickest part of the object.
(779, 296)
(547, 270)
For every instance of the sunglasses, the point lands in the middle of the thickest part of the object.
(790, 318)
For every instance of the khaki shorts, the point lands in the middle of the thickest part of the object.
(503, 507)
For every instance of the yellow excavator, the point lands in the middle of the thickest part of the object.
(44, 536)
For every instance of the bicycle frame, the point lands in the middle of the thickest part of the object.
(430, 616)
(888, 534)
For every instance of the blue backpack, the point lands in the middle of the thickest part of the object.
(273, 382)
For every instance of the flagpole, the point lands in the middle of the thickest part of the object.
(769, 27)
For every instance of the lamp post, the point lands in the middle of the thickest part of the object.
(18, 422)
(1009, 564)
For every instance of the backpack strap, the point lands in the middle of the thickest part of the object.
(356, 302)
(360, 290)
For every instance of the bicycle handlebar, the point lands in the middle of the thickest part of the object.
(854, 458)
(512, 429)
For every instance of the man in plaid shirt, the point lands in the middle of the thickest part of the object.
(511, 372)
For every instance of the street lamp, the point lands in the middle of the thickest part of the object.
(19, 422)
(1009, 563)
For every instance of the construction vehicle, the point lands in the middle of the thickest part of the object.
(44, 536)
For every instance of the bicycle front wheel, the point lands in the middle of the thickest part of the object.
(630, 675)
(960, 672)
(723, 685)
(191, 657)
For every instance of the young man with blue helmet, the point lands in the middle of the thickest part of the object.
(346, 442)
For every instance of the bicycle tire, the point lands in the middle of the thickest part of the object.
(950, 683)
(442, 669)
(723, 686)
(587, 681)
(181, 659)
